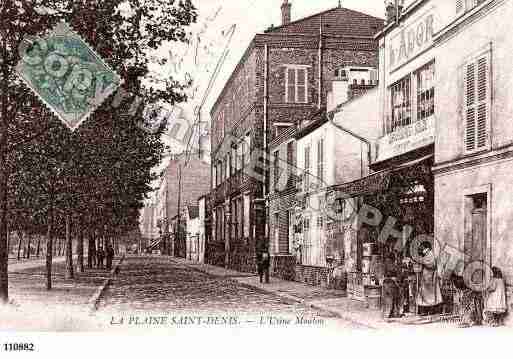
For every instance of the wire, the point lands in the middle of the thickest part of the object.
(212, 79)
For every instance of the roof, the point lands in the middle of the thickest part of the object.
(316, 120)
(337, 21)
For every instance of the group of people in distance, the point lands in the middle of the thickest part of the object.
(108, 255)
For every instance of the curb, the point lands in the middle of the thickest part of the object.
(287, 297)
(95, 299)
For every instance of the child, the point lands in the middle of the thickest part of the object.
(495, 305)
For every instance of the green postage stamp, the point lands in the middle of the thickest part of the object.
(66, 74)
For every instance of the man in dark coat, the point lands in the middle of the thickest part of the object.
(263, 264)
(110, 256)
(100, 254)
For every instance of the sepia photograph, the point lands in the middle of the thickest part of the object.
(175, 171)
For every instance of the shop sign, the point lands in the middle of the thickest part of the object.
(406, 139)
(410, 41)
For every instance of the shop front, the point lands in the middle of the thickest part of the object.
(377, 218)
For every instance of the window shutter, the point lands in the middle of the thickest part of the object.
(470, 99)
(291, 85)
(301, 85)
(483, 105)
(477, 103)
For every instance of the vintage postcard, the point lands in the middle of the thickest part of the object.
(284, 166)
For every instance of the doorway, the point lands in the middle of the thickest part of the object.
(475, 241)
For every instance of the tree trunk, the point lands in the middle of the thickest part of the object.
(38, 248)
(4, 174)
(91, 254)
(80, 247)
(28, 246)
(49, 250)
(20, 240)
(69, 248)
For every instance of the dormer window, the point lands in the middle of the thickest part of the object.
(341, 74)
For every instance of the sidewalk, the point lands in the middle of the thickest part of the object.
(64, 308)
(14, 265)
(332, 301)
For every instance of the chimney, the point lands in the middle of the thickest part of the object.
(393, 10)
(285, 12)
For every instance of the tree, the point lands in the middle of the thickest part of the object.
(57, 172)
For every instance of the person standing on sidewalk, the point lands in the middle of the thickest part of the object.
(429, 296)
(109, 256)
(100, 255)
(495, 304)
(263, 264)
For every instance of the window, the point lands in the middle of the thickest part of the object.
(221, 124)
(341, 74)
(235, 158)
(307, 168)
(227, 164)
(307, 243)
(400, 94)
(477, 103)
(290, 159)
(276, 168)
(218, 173)
(247, 149)
(296, 79)
(276, 232)
(320, 159)
(426, 91)
(240, 211)
(291, 231)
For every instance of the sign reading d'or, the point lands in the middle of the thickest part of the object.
(411, 40)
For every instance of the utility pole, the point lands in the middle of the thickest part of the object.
(178, 218)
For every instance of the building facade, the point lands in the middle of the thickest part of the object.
(283, 77)
(332, 150)
(474, 142)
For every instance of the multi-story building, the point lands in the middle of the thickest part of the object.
(474, 138)
(148, 225)
(186, 178)
(283, 77)
(332, 150)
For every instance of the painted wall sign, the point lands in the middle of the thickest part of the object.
(410, 41)
(406, 139)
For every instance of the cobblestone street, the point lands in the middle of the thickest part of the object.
(163, 286)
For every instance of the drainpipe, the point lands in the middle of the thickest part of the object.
(319, 104)
(266, 99)
(358, 137)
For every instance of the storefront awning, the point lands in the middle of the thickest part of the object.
(379, 181)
